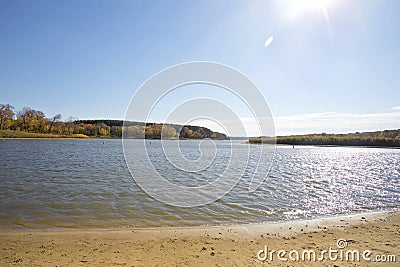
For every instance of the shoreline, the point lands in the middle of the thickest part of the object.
(290, 145)
(55, 229)
(204, 246)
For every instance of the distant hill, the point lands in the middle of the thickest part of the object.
(32, 123)
(134, 129)
(113, 122)
(386, 138)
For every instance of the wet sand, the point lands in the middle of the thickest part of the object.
(207, 246)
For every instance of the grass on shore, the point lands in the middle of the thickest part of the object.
(330, 140)
(21, 134)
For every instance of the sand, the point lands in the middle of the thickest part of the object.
(208, 246)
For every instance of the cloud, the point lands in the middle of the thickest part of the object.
(327, 122)
(396, 108)
(334, 122)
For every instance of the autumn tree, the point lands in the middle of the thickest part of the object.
(52, 120)
(6, 115)
(32, 120)
(71, 125)
(136, 131)
(168, 132)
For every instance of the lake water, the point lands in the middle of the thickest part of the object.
(86, 183)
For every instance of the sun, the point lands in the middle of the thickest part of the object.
(300, 7)
(307, 4)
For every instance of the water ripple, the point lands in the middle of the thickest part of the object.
(85, 183)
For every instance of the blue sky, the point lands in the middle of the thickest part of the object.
(332, 66)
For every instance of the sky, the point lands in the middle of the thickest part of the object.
(332, 66)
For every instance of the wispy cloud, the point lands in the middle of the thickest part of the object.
(334, 122)
(396, 108)
(327, 122)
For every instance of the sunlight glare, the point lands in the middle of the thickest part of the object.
(299, 7)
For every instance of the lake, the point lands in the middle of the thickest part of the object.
(48, 184)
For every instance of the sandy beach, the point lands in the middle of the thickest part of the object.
(378, 232)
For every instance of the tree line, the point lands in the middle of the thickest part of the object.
(386, 138)
(29, 120)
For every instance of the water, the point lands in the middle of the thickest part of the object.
(86, 183)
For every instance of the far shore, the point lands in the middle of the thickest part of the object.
(207, 246)
(391, 147)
